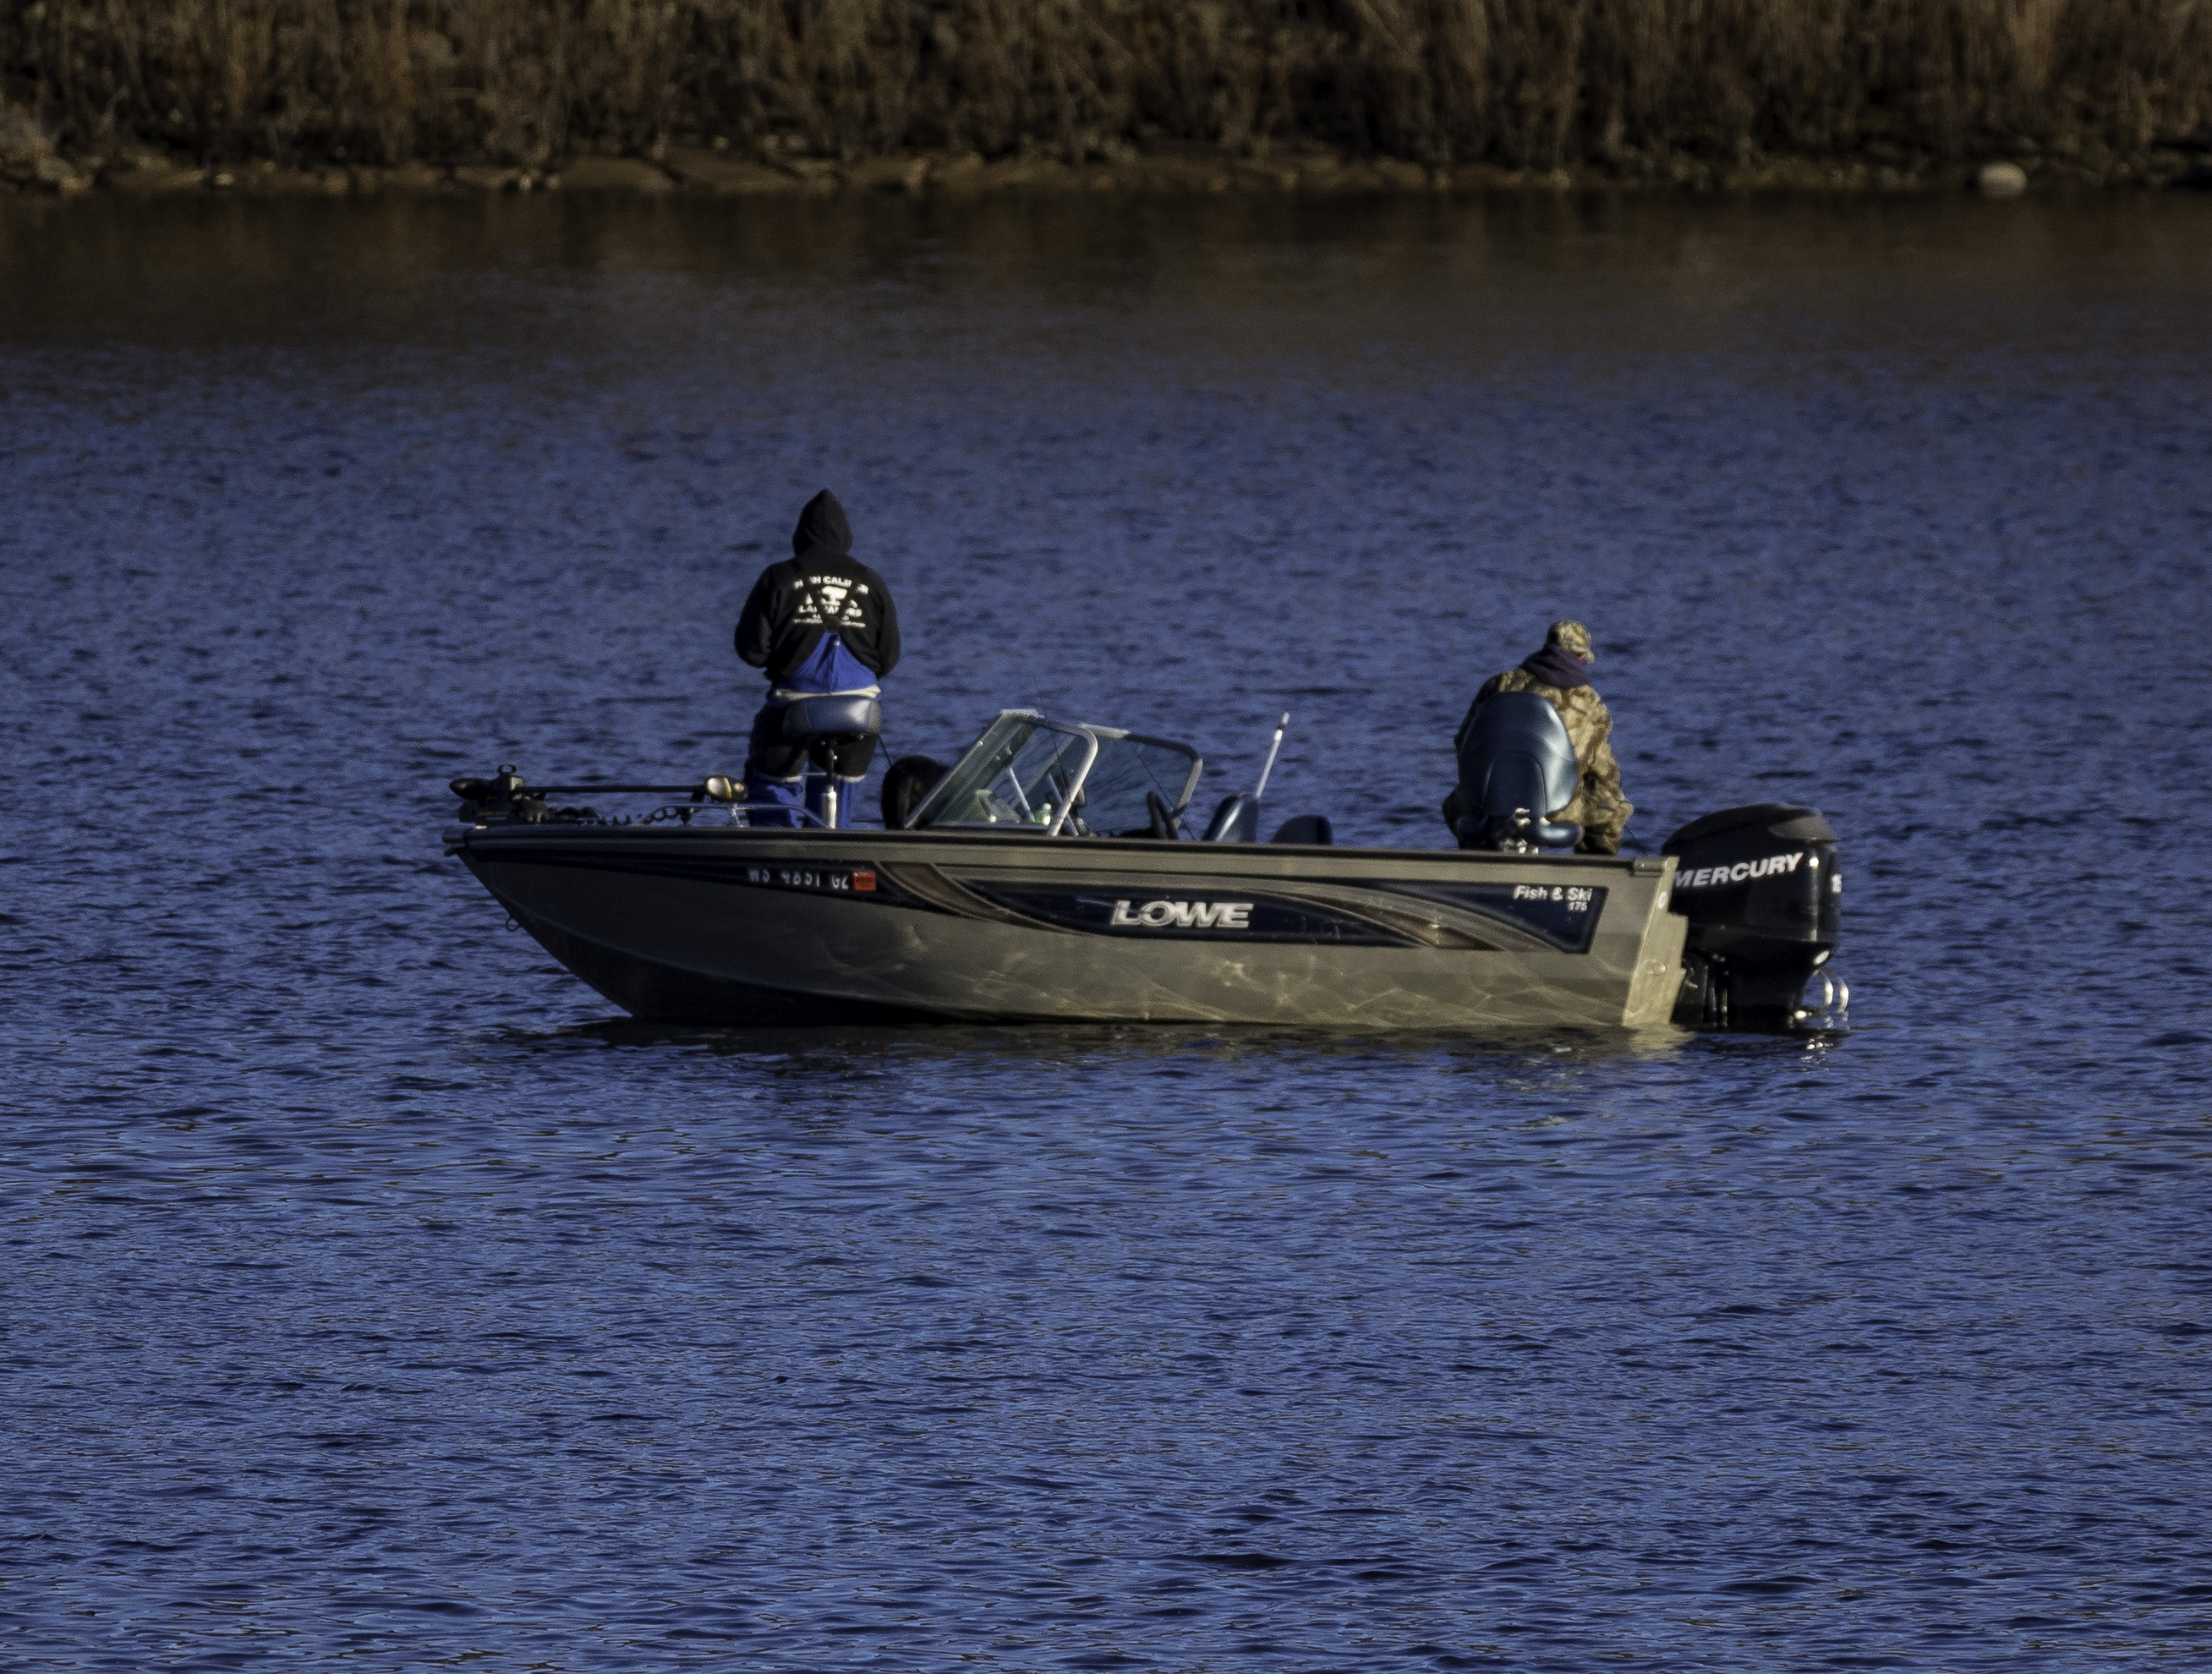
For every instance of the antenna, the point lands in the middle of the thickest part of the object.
(1272, 750)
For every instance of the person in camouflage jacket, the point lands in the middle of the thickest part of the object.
(1560, 674)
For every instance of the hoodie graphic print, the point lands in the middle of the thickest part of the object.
(812, 616)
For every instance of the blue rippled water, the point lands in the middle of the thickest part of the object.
(373, 1297)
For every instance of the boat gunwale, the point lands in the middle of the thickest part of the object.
(487, 839)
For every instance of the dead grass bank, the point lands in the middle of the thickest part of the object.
(1626, 86)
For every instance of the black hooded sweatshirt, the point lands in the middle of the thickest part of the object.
(822, 589)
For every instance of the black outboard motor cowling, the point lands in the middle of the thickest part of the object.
(1760, 889)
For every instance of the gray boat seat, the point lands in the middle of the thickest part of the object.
(832, 715)
(1306, 828)
(1236, 821)
(1516, 769)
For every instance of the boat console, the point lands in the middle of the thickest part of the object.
(1054, 779)
(1046, 778)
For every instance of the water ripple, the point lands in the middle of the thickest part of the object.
(372, 1296)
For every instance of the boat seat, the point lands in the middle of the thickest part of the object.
(906, 784)
(1305, 828)
(832, 715)
(1516, 769)
(1237, 820)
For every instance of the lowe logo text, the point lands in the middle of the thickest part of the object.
(1185, 915)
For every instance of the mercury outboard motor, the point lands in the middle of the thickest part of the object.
(1516, 769)
(1759, 887)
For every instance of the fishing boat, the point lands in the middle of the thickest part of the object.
(1052, 875)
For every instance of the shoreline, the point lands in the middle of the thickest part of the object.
(703, 171)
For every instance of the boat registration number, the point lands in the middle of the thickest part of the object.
(828, 881)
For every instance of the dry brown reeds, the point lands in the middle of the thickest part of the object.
(1525, 84)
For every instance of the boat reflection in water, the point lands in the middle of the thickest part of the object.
(1048, 876)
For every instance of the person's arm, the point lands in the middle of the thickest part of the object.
(1605, 807)
(756, 634)
(887, 633)
(1602, 779)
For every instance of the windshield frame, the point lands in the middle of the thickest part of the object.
(920, 819)
(1190, 781)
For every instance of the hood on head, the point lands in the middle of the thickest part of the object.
(822, 526)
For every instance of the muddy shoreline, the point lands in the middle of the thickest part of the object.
(705, 171)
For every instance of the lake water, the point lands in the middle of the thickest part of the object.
(373, 1297)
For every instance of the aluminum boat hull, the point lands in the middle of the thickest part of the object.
(737, 926)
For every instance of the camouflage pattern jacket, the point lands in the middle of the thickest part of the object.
(1599, 807)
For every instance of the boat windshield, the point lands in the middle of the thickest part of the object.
(1112, 804)
(1028, 773)
(1022, 771)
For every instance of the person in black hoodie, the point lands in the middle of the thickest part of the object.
(819, 621)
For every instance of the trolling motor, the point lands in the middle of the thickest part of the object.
(1760, 887)
(505, 796)
(500, 797)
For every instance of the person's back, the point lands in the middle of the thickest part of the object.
(819, 621)
(1560, 674)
